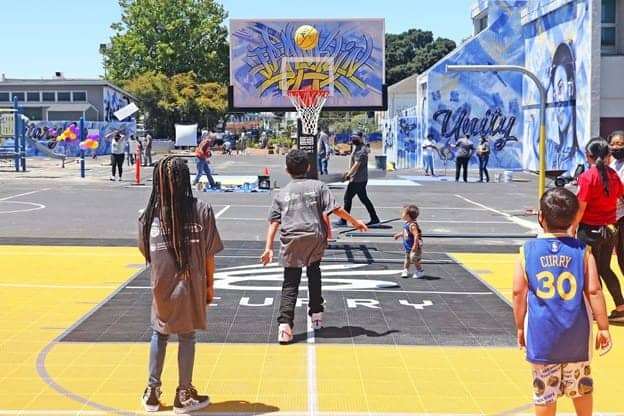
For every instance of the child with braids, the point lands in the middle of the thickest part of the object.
(300, 211)
(178, 238)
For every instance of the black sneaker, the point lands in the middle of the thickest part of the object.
(340, 223)
(616, 316)
(187, 400)
(373, 222)
(151, 399)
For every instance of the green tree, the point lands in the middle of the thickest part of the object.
(180, 98)
(413, 52)
(169, 37)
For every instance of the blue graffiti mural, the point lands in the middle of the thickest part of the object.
(46, 133)
(558, 46)
(347, 59)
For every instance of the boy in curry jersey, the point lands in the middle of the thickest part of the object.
(556, 290)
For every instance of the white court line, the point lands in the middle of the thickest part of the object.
(523, 223)
(36, 206)
(377, 207)
(423, 221)
(68, 287)
(6, 198)
(311, 357)
(222, 211)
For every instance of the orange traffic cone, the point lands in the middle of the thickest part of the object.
(266, 172)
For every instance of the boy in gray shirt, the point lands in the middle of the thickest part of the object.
(300, 211)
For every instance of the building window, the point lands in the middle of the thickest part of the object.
(608, 27)
(79, 96)
(4, 96)
(49, 96)
(63, 96)
(18, 95)
(33, 96)
(482, 23)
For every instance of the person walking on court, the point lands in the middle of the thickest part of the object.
(599, 189)
(203, 155)
(118, 145)
(428, 147)
(324, 151)
(179, 239)
(357, 176)
(300, 211)
(464, 152)
(483, 152)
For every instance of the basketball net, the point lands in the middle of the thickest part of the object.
(308, 103)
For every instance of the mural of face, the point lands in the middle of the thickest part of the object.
(562, 95)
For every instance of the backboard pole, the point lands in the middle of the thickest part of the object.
(308, 144)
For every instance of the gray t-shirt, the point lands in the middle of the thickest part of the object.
(464, 147)
(301, 208)
(179, 305)
(360, 154)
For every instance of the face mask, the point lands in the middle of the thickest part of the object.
(618, 153)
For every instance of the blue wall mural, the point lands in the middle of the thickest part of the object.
(45, 132)
(558, 49)
(553, 43)
(480, 104)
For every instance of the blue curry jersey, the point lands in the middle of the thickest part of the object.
(557, 324)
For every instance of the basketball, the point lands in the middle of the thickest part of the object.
(306, 37)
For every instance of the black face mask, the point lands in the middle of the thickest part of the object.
(618, 153)
(356, 142)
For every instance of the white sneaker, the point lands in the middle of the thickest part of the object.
(119, 179)
(419, 274)
(317, 320)
(112, 178)
(151, 399)
(284, 334)
(405, 274)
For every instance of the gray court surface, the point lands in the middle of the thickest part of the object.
(366, 303)
(49, 210)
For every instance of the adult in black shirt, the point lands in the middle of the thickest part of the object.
(464, 152)
(358, 179)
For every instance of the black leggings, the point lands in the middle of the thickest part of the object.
(483, 162)
(290, 291)
(602, 240)
(359, 189)
(461, 162)
(117, 162)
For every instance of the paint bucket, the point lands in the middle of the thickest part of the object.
(507, 176)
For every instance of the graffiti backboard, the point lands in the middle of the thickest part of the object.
(343, 56)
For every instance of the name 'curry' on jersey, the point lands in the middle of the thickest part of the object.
(557, 323)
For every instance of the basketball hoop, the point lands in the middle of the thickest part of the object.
(308, 103)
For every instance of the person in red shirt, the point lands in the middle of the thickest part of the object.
(203, 154)
(599, 190)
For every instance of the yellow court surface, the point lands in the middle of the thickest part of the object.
(47, 290)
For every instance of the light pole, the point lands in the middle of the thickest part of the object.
(542, 113)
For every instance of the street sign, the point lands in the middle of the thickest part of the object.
(7, 124)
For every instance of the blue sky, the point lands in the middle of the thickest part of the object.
(39, 37)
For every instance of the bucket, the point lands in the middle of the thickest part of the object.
(507, 176)
(381, 161)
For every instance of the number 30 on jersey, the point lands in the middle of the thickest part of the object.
(549, 285)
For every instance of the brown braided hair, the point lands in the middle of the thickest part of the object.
(173, 203)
